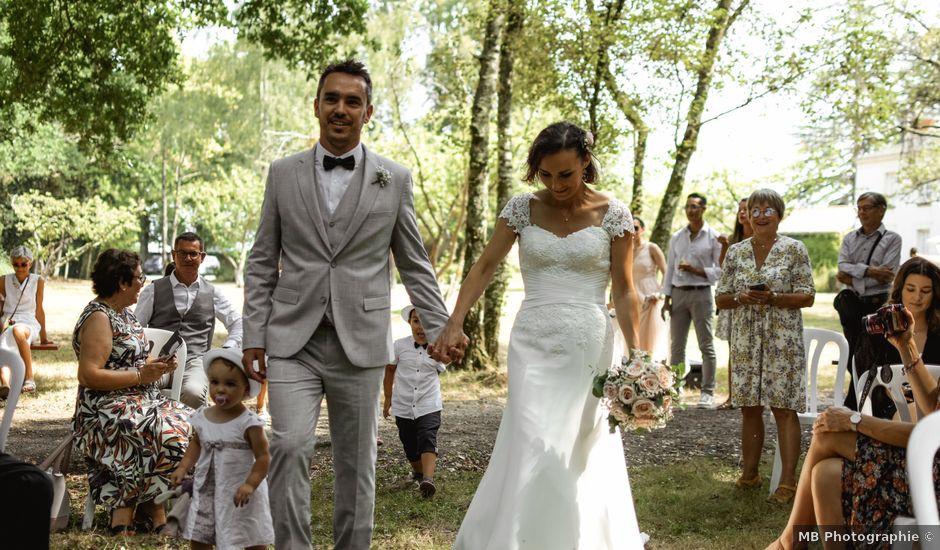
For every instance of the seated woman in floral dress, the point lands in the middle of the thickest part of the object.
(855, 472)
(131, 436)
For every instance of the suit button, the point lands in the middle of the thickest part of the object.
(332, 224)
(322, 299)
(332, 264)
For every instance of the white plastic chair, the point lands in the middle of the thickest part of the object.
(158, 337)
(814, 341)
(921, 448)
(10, 357)
(893, 387)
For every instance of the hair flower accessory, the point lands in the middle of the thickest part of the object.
(588, 140)
(382, 177)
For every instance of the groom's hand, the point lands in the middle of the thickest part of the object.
(450, 345)
(251, 355)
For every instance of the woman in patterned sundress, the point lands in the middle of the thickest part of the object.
(131, 436)
(765, 281)
(855, 472)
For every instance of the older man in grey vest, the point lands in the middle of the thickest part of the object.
(186, 302)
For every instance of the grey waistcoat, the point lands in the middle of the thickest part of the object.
(196, 327)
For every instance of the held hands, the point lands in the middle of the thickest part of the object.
(833, 419)
(450, 345)
(251, 355)
(243, 494)
(755, 297)
(153, 369)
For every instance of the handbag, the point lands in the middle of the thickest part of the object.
(847, 302)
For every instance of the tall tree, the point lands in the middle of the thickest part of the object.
(495, 292)
(722, 18)
(477, 188)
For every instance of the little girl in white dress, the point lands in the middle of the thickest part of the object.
(230, 495)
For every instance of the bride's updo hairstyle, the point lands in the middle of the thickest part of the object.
(562, 136)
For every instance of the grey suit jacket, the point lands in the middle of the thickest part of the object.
(284, 308)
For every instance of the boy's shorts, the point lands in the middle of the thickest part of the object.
(419, 436)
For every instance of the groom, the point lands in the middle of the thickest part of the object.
(317, 303)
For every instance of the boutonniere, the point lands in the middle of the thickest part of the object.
(382, 176)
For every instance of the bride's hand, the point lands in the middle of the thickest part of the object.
(450, 344)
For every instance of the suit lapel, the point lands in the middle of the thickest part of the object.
(368, 191)
(309, 191)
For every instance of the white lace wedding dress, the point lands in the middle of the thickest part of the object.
(557, 478)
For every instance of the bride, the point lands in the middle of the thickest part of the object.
(557, 478)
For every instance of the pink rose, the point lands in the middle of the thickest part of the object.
(627, 394)
(635, 369)
(665, 377)
(667, 402)
(643, 408)
(649, 383)
(619, 413)
(644, 423)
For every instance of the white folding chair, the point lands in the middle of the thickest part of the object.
(892, 384)
(921, 449)
(814, 341)
(158, 337)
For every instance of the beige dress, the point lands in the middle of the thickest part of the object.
(767, 342)
(652, 326)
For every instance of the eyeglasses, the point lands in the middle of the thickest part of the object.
(866, 208)
(189, 254)
(693, 206)
(18, 264)
(767, 212)
(142, 279)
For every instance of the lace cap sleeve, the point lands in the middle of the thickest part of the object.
(516, 212)
(617, 220)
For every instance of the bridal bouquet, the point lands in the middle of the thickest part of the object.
(638, 392)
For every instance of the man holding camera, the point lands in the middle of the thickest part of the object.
(868, 260)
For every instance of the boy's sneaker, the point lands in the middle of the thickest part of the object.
(414, 478)
(427, 488)
(706, 401)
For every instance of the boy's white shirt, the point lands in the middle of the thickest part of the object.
(417, 388)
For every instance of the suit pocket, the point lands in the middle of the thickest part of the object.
(376, 302)
(287, 295)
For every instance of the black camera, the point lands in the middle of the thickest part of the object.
(889, 319)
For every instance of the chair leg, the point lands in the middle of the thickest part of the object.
(778, 469)
(89, 518)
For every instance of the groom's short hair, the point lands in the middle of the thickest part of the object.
(351, 67)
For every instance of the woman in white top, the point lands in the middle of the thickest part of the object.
(21, 298)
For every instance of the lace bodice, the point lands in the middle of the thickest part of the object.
(570, 269)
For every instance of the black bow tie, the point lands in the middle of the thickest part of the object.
(417, 345)
(329, 162)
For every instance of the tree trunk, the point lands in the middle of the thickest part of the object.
(631, 108)
(144, 237)
(475, 234)
(724, 18)
(495, 292)
(176, 199)
(163, 224)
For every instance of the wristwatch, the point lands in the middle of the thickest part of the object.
(855, 419)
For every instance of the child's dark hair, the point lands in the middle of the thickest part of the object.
(562, 136)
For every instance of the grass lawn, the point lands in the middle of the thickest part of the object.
(685, 505)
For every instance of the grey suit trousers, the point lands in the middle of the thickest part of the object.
(297, 386)
(694, 306)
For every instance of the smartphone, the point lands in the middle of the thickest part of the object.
(759, 286)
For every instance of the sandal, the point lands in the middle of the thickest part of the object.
(123, 530)
(727, 405)
(783, 495)
(743, 483)
(29, 386)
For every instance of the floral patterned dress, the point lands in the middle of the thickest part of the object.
(874, 486)
(131, 438)
(767, 344)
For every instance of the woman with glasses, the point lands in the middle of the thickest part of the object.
(132, 437)
(21, 302)
(765, 280)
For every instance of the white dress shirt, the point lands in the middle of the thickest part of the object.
(334, 183)
(417, 388)
(702, 252)
(183, 297)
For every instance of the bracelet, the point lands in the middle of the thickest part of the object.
(737, 299)
(140, 380)
(908, 368)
